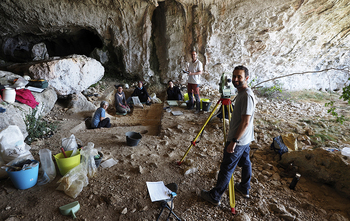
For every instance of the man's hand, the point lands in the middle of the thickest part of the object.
(231, 147)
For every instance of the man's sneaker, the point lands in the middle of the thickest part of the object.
(239, 189)
(206, 196)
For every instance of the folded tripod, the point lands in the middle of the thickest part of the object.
(164, 203)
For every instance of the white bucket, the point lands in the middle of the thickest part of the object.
(9, 95)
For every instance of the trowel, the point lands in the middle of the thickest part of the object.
(70, 209)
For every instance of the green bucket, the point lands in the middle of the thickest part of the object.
(66, 164)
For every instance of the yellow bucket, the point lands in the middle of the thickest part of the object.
(66, 164)
(204, 100)
(186, 98)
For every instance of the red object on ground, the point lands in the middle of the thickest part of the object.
(25, 96)
(64, 153)
(233, 211)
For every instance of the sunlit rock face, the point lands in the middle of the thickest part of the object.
(151, 40)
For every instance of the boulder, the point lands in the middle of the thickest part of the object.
(322, 166)
(79, 104)
(15, 113)
(39, 52)
(68, 75)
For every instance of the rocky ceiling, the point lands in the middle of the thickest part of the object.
(151, 39)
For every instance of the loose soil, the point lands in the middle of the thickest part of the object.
(120, 192)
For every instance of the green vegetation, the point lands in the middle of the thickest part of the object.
(38, 128)
(270, 92)
(346, 97)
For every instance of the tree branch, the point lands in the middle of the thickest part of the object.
(307, 72)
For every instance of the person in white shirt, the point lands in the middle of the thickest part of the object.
(195, 69)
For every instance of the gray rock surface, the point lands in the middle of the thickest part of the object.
(151, 40)
(39, 52)
(322, 166)
(79, 104)
(15, 113)
(68, 75)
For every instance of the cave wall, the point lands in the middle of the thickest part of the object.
(152, 39)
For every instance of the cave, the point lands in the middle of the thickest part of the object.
(82, 42)
(18, 48)
(158, 39)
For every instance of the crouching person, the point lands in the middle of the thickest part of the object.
(120, 101)
(100, 120)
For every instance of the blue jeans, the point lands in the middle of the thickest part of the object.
(239, 157)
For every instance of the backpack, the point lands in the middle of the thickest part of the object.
(278, 146)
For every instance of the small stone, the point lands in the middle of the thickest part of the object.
(8, 208)
(191, 170)
(124, 211)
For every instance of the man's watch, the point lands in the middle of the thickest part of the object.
(235, 140)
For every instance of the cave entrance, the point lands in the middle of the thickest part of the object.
(159, 52)
(81, 42)
(18, 48)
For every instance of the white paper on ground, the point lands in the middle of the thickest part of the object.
(109, 163)
(158, 191)
(177, 113)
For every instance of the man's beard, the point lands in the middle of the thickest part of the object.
(239, 85)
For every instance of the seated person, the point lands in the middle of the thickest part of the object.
(140, 92)
(120, 101)
(173, 92)
(99, 119)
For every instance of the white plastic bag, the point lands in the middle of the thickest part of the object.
(77, 178)
(137, 102)
(12, 144)
(20, 83)
(154, 99)
(74, 181)
(88, 159)
(47, 167)
(70, 144)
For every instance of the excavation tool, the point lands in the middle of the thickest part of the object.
(70, 209)
(227, 90)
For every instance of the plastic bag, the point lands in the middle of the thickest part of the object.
(74, 181)
(88, 159)
(70, 144)
(136, 101)
(290, 141)
(47, 170)
(154, 99)
(77, 178)
(12, 144)
(23, 162)
(20, 83)
(3, 173)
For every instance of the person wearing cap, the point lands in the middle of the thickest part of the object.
(195, 69)
(141, 92)
(173, 92)
(120, 101)
(99, 119)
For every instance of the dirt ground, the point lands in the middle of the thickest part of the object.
(120, 192)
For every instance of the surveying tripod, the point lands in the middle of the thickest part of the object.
(226, 103)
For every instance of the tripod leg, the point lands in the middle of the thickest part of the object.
(171, 212)
(160, 212)
(223, 122)
(231, 189)
(199, 133)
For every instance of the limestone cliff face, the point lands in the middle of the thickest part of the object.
(152, 39)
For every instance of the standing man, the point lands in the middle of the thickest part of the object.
(241, 133)
(195, 69)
